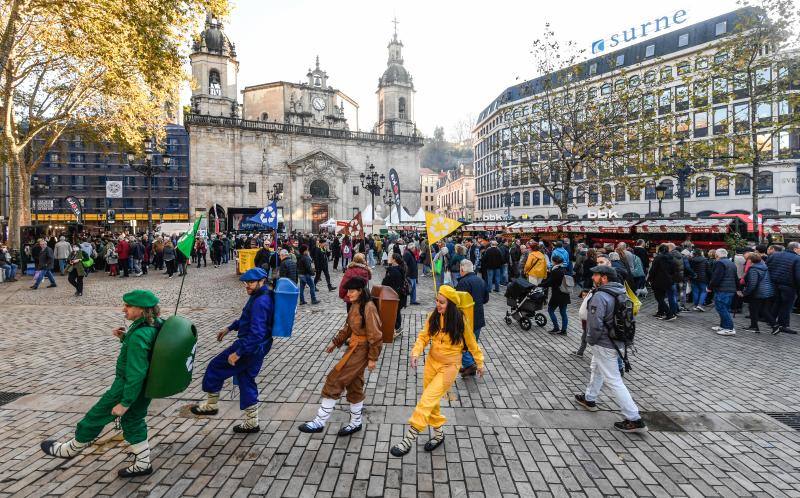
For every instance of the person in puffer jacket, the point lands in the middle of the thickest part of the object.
(759, 290)
(784, 268)
(723, 283)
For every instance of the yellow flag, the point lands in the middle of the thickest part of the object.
(439, 227)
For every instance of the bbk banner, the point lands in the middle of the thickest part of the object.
(114, 189)
(75, 205)
(394, 181)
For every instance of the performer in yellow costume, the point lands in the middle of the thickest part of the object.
(449, 329)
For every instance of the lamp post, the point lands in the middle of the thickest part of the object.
(149, 169)
(276, 193)
(388, 200)
(37, 189)
(661, 190)
(373, 183)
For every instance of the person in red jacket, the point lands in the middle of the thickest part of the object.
(123, 252)
(358, 268)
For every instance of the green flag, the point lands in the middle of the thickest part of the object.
(186, 242)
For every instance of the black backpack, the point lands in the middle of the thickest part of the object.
(623, 325)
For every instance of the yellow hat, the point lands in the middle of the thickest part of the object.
(461, 299)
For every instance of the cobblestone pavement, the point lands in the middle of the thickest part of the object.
(515, 432)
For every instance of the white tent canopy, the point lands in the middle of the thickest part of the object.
(419, 216)
(331, 223)
(367, 215)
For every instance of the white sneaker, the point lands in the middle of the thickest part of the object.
(726, 332)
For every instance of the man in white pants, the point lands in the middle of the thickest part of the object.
(605, 367)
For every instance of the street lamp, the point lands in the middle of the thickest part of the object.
(276, 193)
(388, 200)
(37, 189)
(373, 183)
(661, 190)
(149, 169)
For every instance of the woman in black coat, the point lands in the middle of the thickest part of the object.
(588, 263)
(661, 279)
(395, 278)
(558, 299)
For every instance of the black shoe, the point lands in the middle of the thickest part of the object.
(197, 411)
(34, 287)
(631, 426)
(579, 354)
(246, 430)
(301, 304)
(47, 447)
(753, 329)
(788, 331)
(553, 331)
(433, 444)
(589, 405)
(331, 288)
(563, 332)
(776, 329)
(658, 316)
(670, 318)
(314, 302)
(309, 429)
(415, 304)
(52, 285)
(399, 452)
(136, 473)
(347, 430)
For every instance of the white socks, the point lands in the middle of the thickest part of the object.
(324, 413)
(68, 449)
(408, 440)
(355, 415)
(210, 404)
(438, 435)
(250, 417)
(141, 457)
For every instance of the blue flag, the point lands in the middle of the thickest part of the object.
(267, 216)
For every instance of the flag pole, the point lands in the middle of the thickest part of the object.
(183, 277)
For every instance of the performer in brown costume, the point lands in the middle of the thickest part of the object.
(363, 328)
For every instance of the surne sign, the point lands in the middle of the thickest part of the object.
(642, 31)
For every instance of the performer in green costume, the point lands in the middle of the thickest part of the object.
(125, 398)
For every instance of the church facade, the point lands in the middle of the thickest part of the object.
(292, 137)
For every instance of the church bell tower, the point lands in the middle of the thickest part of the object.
(215, 72)
(395, 94)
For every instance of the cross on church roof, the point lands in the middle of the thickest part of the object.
(395, 22)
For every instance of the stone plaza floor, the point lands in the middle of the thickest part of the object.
(709, 402)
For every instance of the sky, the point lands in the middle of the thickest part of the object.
(461, 54)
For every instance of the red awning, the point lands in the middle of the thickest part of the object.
(703, 225)
(599, 226)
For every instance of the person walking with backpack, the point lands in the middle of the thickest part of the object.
(603, 310)
(558, 298)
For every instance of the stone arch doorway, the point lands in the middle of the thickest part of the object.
(217, 212)
(320, 196)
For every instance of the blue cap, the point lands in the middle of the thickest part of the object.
(253, 274)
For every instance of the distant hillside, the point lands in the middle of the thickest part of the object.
(438, 154)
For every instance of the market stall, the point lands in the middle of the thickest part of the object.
(779, 230)
(704, 233)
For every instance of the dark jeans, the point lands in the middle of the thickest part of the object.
(562, 308)
(335, 261)
(123, 263)
(323, 270)
(309, 281)
(582, 347)
(202, 256)
(760, 309)
(75, 281)
(782, 304)
(663, 307)
(170, 267)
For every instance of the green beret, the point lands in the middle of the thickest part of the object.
(140, 298)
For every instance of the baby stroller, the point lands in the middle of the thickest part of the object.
(525, 301)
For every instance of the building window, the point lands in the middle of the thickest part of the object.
(605, 89)
(684, 68)
(535, 198)
(526, 198)
(670, 190)
(765, 182)
(701, 63)
(720, 28)
(650, 77)
(764, 144)
(401, 108)
(516, 198)
(702, 187)
(620, 60)
(173, 183)
(592, 69)
(722, 186)
(127, 203)
(700, 124)
(619, 193)
(650, 51)
(720, 120)
(764, 112)
(130, 181)
(264, 116)
(666, 73)
(741, 184)
(650, 190)
(681, 98)
(741, 116)
(251, 187)
(545, 199)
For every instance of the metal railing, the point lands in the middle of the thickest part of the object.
(246, 124)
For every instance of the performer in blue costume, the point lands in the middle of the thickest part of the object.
(244, 357)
